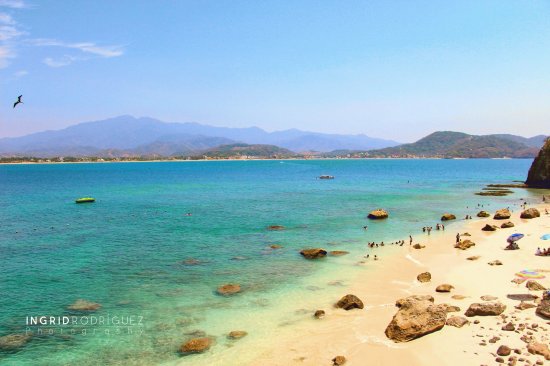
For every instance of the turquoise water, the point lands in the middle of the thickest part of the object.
(126, 250)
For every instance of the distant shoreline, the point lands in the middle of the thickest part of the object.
(28, 162)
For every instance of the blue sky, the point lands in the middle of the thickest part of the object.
(390, 69)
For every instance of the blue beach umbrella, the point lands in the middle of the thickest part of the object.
(545, 237)
(514, 237)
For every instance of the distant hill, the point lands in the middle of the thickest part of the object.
(127, 135)
(246, 150)
(535, 141)
(448, 144)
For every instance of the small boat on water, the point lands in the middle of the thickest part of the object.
(326, 177)
(85, 200)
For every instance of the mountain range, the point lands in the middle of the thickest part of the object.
(126, 135)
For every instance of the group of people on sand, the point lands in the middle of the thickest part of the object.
(543, 252)
(468, 217)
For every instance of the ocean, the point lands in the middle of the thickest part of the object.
(162, 236)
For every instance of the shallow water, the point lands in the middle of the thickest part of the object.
(126, 250)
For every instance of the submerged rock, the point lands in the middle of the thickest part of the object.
(530, 213)
(84, 305)
(237, 334)
(196, 345)
(416, 317)
(337, 253)
(13, 341)
(447, 217)
(275, 227)
(502, 214)
(378, 214)
(349, 302)
(229, 289)
(424, 277)
(314, 253)
(485, 309)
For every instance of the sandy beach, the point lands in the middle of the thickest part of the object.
(359, 334)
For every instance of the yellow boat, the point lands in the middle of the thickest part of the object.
(85, 200)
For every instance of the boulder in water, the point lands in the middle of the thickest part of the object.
(483, 214)
(349, 302)
(314, 253)
(447, 217)
(229, 289)
(378, 214)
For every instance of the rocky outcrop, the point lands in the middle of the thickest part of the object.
(319, 314)
(504, 350)
(543, 309)
(483, 214)
(275, 227)
(503, 214)
(229, 289)
(419, 246)
(457, 321)
(424, 277)
(444, 288)
(378, 214)
(539, 173)
(84, 305)
(196, 345)
(447, 217)
(338, 361)
(485, 309)
(416, 317)
(464, 244)
(488, 227)
(349, 302)
(314, 253)
(530, 213)
(534, 286)
(507, 225)
(536, 348)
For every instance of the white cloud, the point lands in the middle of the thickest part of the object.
(14, 4)
(5, 54)
(87, 47)
(8, 32)
(60, 62)
(21, 73)
(6, 19)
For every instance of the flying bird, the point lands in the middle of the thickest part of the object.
(18, 101)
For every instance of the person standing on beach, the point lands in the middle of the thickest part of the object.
(458, 237)
(410, 240)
